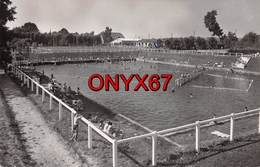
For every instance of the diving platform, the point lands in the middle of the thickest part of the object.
(242, 62)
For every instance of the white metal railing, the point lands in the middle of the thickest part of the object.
(197, 125)
(26, 80)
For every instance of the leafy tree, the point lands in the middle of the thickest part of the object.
(250, 39)
(91, 33)
(36, 37)
(211, 23)
(189, 43)
(85, 39)
(69, 38)
(200, 43)
(80, 39)
(63, 42)
(229, 40)
(42, 39)
(29, 27)
(168, 44)
(63, 31)
(159, 43)
(48, 39)
(183, 45)
(6, 14)
(212, 43)
(107, 35)
(56, 38)
(176, 43)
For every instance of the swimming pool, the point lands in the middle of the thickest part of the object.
(160, 109)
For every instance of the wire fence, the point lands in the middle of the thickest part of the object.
(219, 52)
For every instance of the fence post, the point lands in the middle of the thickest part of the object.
(50, 102)
(232, 120)
(24, 79)
(32, 85)
(43, 95)
(259, 122)
(72, 121)
(114, 153)
(21, 76)
(60, 111)
(13, 70)
(154, 148)
(37, 90)
(89, 137)
(197, 136)
(28, 82)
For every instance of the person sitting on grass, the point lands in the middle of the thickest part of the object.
(66, 100)
(117, 132)
(101, 124)
(107, 127)
(92, 119)
(50, 86)
(89, 116)
(77, 104)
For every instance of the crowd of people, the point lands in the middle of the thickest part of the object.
(77, 104)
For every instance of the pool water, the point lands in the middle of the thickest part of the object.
(160, 109)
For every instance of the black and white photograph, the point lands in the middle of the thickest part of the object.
(129, 83)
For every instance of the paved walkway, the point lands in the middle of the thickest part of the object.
(44, 145)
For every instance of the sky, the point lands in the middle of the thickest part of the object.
(139, 18)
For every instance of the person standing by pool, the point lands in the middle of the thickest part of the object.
(213, 117)
(78, 92)
(69, 90)
(65, 88)
(75, 127)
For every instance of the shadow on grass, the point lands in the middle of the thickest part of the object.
(131, 158)
(211, 151)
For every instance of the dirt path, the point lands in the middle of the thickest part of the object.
(10, 154)
(45, 147)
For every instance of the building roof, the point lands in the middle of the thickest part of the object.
(149, 40)
(116, 35)
(118, 40)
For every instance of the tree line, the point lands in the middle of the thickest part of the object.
(218, 40)
(30, 34)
